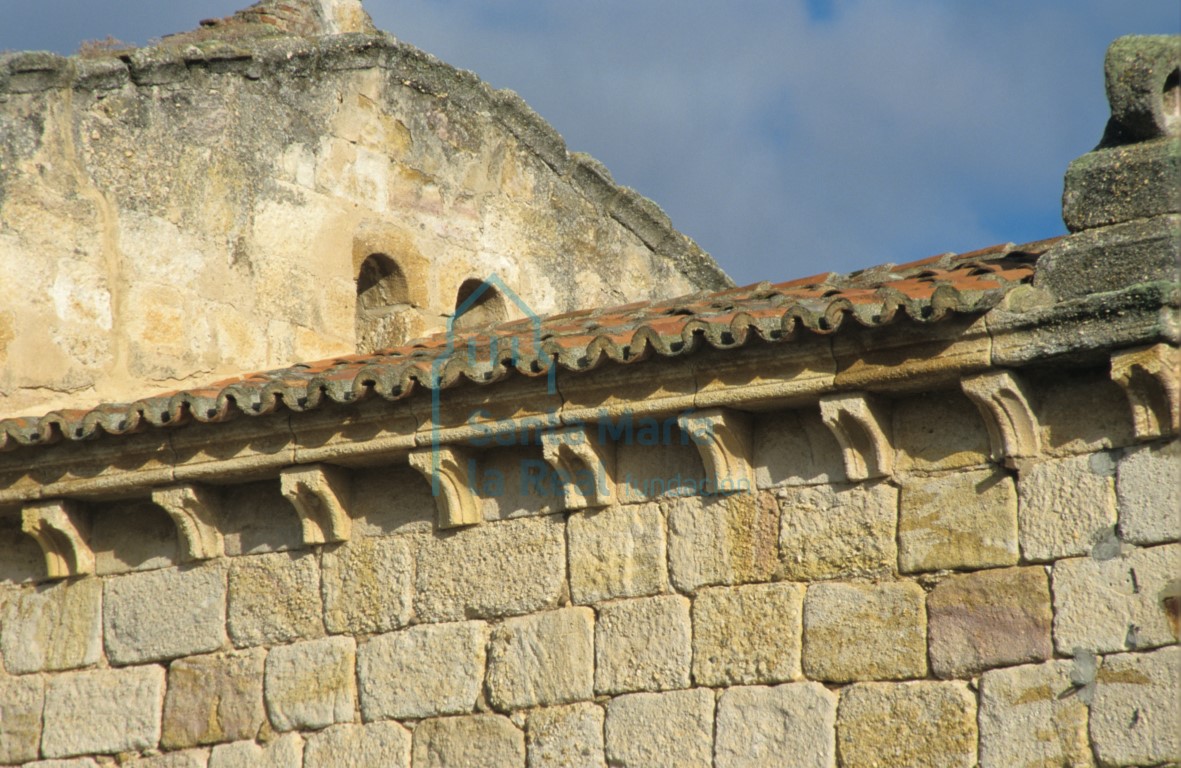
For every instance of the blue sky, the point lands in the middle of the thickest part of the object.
(786, 137)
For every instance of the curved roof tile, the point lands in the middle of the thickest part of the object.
(924, 291)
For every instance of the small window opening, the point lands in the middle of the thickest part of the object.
(384, 315)
(486, 309)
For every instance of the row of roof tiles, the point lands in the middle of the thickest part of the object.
(925, 291)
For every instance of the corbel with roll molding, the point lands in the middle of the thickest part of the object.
(320, 495)
(861, 425)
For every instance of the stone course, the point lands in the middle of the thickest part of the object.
(368, 585)
(830, 531)
(565, 737)
(617, 552)
(376, 745)
(52, 628)
(1033, 715)
(21, 702)
(274, 598)
(460, 742)
(1136, 709)
(722, 540)
(1148, 491)
(103, 711)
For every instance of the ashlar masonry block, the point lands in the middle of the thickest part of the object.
(960, 520)
(164, 614)
(312, 684)
(661, 730)
(423, 671)
(368, 585)
(284, 752)
(1148, 491)
(747, 635)
(1114, 605)
(475, 740)
(1032, 715)
(988, 619)
(542, 659)
(565, 737)
(102, 711)
(498, 569)
(617, 552)
(52, 628)
(722, 540)
(838, 530)
(919, 724)
(214, 698)
(1065, 505)
(21, 701)
(858, 632)
(375, 745)
(1136, 708)
(759, 726)
(274, 598)
(643, 645)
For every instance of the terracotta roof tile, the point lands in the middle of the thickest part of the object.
(925, 291)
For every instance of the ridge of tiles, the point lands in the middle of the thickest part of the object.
(925, 291)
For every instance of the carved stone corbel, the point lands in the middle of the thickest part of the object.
(60, 529)
(1003, 402)
(446, 469)
(583, 463)
(723, 438)
(861, 426)
(320, 495)
(194, 510)
(1151, 379)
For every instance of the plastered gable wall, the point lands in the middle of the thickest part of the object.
(198, 210)
(945, 609)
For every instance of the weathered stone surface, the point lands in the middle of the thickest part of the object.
(491, 570)
(913, 724)
(189, 758)
(376, 745)
(274, 598)
(760, 726)
(1114, 605)
(1065, 506)
(311, 684)
(53, 627)
(543, 659)
(795, 448)
(938, 430)
(565, 737)
(722, 540)
(1114, 185)
(1148, 489)
(617, 552)
(989, 619)
(164, 614)
(838, 531)
(214, 698)
(368, 585)
(81, 762)
(643, 645)
(21, 701)
(427, 670)
(865, 632)
(102, 711)
(1085, 412)
(468, 742)
(1032, 715)
(1136, 709)
(650, 730)
(962, 520)
(648, 474)
(131, 537)
(747, 635)
(284, 752)
(258, 519)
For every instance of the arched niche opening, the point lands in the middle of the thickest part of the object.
(384, 316)
(478, 305)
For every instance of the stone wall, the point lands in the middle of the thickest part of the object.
(186, 213)
(950, 611)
